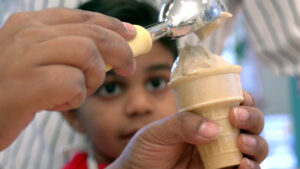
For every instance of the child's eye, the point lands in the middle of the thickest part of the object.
(156, 84)
(109, 89)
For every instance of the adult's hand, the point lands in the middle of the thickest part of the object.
(53, 59)
(169, 143)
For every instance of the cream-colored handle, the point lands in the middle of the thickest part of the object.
(141, 44)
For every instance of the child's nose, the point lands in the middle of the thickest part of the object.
(138, 103)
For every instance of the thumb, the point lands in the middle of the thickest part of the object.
(181, 127)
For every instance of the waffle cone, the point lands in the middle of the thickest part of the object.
(212, 97)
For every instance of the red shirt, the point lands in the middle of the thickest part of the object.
(79, 161)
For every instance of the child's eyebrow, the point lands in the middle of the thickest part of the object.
(158, 67)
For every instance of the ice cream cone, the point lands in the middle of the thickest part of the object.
(223, 152)
(212, 94)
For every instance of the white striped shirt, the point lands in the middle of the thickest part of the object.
(273, 27)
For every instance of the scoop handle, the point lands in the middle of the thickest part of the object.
(140, 44)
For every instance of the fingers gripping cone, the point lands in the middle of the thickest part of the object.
(212, 95)
(223, 152)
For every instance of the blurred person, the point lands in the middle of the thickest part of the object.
(275, 43)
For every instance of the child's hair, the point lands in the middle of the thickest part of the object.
(131, 11)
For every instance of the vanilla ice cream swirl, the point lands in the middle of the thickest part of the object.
(198, 61)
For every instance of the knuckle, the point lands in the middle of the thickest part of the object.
(86, 42)
(79, 14)
(88, 48)
(84, 16)
(100, 35)
(29, 32)
(21, 19)
(185, 124)
(77, 100)
(182, 121)
(21, 16)
(70, 14)
(124, 55)
(28, 36)
(60, 11)
(96, 75)
(115, 25)
(79, 94)
(77, 89)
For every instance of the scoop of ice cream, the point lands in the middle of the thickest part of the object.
(197, 60)
(211, 27)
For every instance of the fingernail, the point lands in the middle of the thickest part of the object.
(130, 28)
(241, 115)
(209, 130)
(250, 164)
(249, 141)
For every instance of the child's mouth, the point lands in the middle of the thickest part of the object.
(128, 135)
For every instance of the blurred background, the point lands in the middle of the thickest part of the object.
(277, 96)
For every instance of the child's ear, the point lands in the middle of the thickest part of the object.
(73, 120)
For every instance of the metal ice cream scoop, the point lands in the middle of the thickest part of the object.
(178, 18)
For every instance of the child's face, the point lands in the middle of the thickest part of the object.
(123, 105)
